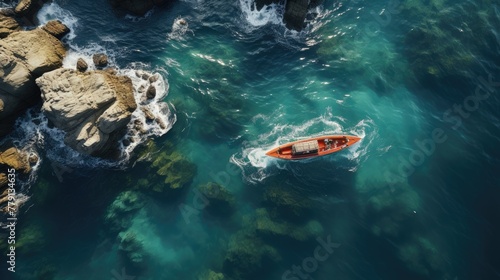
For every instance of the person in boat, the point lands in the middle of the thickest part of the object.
(346, 140)
(328, 144)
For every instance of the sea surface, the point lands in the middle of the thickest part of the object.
(417, 198)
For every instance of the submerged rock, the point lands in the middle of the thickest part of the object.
(132, 248)
(211, 275)
(248, 257)
(93, 108)
(177, 170)
(450, 40)
(168, 171)
(221, 201)
(266, 226)
(25, 56)
(287, 203)
(119, 213)
(137, 7)
(391, 210)
(424, 257)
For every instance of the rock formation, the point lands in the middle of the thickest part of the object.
(56, 28)
(100, 60)
(11, 158)
(81, 65)
(137, 7)
(25, 56)
(295, 10)
(8, 25)
(93, 108)
(295, 13)
(28, 9)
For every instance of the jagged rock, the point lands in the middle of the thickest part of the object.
(100, 60)
(151, 92)
(81, 65)
(24, 56)
(28, 9)
(295, 13)
(111, 70)
(149, 115)
(8, 25)
(137, 7)
(14, 158)
(295, 10)
(56, 28)
(153, 78)
(93, 108)
(11, 158)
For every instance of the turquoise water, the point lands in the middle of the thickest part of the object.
(415, 199)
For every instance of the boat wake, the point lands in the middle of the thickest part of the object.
(256, 166)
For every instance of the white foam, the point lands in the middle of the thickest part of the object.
(180, 27)
(164, 118)
(34, 133)
(75, 52)
(256, 166)
(272, 13)
(52, 11)
(133, 18)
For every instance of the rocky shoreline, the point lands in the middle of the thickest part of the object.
(92, 104)
(93, 107)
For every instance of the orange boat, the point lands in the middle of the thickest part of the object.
(313, 147)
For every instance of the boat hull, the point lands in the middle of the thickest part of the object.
(295, 150)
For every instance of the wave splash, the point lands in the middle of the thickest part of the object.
(34, 131)
(272, 13)
(53, 11)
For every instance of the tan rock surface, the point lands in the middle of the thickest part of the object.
(93, 108)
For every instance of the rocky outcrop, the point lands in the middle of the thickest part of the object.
(81, 65)
(100, 60)
(11, 158)
(295, 13)
(137, 7)
(56, 28)
(28, 9)
(295, 10)
(93, 108)
(25, 56)
(8, 25)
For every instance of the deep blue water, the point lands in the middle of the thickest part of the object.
(417, 198)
